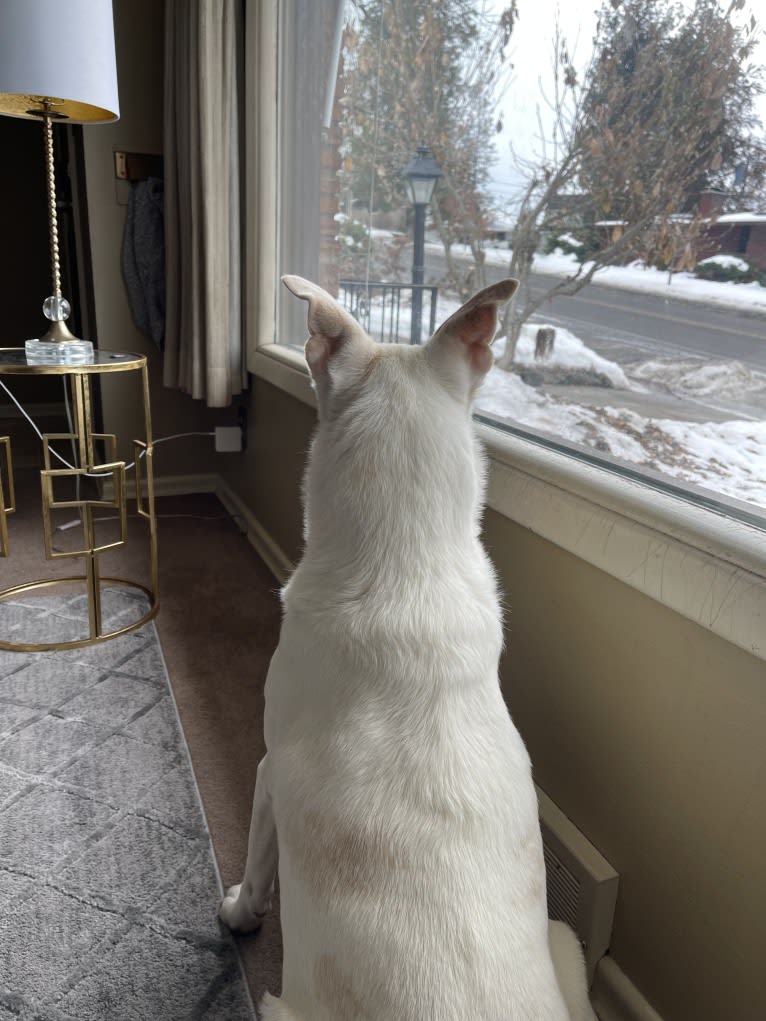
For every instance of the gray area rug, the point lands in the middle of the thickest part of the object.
(108, 886)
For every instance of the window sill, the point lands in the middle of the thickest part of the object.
(704, 565)
(285, 368)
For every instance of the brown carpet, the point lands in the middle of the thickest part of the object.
(218, 625)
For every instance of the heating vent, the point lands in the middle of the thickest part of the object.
(582, 885)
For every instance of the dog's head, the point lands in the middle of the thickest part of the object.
(342, 357)
(394, 419)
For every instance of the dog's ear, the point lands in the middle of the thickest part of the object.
(460, 348)
(334, 335)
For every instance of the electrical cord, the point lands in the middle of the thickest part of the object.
(93, 475)
(103, 475)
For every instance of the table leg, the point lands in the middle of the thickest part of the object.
(83, 421)
(6, 506)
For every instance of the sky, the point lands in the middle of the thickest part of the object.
(530, 53)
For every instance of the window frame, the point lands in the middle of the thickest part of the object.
(698, 559)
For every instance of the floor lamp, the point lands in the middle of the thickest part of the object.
(57, 63)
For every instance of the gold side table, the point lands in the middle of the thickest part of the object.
(13, 361)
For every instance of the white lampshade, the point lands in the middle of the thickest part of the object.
(62, 50)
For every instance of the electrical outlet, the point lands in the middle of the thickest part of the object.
(228, 439)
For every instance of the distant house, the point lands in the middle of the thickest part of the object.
(499, 232)
(609, 232)
(742, 233)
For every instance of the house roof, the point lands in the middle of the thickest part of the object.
(742, 218)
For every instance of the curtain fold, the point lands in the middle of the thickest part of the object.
(204, 337)
(262, 143)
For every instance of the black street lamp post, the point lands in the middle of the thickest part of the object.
(420, 176)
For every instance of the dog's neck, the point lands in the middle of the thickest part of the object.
(393, 564)
(390, 507)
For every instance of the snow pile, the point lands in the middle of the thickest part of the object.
(569, 353)
(697, 378)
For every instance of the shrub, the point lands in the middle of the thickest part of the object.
(354, 239)
(729, 269)
(354, 236)
(581, 243)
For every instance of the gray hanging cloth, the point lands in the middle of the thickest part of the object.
(143, 257)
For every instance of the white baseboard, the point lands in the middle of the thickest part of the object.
(269, 551)
(169, 485)
(615, 998)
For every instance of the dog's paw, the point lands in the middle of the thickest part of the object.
(235, 913)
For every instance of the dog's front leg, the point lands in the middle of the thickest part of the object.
(245, 905)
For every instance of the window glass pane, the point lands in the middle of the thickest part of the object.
(612, 160)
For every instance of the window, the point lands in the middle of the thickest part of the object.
(656, 368)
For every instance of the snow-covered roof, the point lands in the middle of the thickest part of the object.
(742, 218)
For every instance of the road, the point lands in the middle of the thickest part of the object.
(630, 328)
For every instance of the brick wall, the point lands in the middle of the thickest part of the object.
(756, 246)
(329, 192)
(727, 238)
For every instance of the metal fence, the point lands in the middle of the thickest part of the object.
(385, 311)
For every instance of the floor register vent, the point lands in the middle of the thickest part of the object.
(582, 885)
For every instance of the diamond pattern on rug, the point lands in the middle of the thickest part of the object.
(108, 885)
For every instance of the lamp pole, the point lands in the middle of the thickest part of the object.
(420, 175)
(418, 270)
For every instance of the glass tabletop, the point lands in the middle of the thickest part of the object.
(14, 360)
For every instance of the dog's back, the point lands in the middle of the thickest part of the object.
(411, 870)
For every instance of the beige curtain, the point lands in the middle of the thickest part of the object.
(204, 349)
(261, 139)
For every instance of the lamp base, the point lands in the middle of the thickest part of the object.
(59, 352)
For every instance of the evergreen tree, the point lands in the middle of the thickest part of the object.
(670, 94)
(664, 109)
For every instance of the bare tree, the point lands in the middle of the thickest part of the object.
(632, 138)
(421, 72)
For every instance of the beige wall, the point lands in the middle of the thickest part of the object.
(646, 729)
(268, 476)
(139, 42)
(649, 732)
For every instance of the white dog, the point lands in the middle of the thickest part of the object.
(395, 787)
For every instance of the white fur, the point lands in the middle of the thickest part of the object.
(395, 785)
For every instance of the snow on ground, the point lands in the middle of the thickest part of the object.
(725, 457)
(700, 379)
(637, 277)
